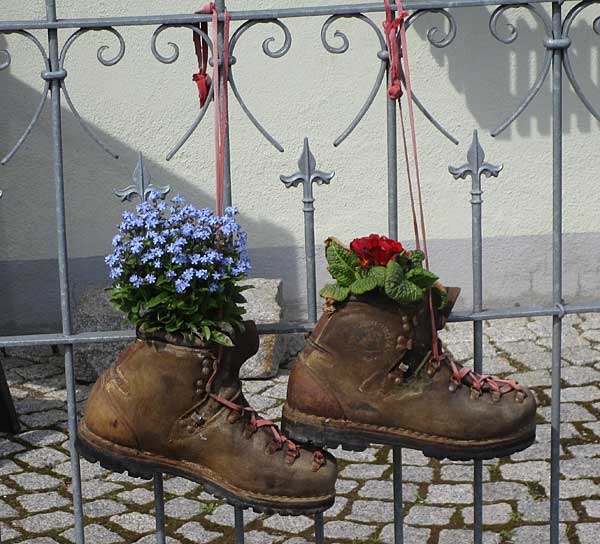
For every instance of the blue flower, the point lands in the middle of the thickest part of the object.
(150, 278)
(213, 287)
(181, 285)
(117, 240)
(153, 196)
(136, 280)
(178, 199)
(116, 272)
(202, 274)
(170, 274)
(231, 210)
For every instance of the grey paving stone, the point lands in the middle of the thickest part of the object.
(38, 502)
(570, 489)
(363, 472)
(592, 507)
(593, 426)
(8, 447)
(96, 534)
(196, 533)
(449, 494)
(414, 535)
(585, 393)
(588, 533)
(103, 508)
(40, 540)
(43, 437)
(348, 529)
(135, 522)
(343, 486)
(89, 471)
(225, 515)
(8, 533)
(429, 515)
(581, 355)
(7, 511)
(6, 491)
(42, 523)
(527, 353)
(410, 457)
(579, 375)
(44, 419)
(179, 486)
(539, 511)
(533, 378)
(461, 536)
(182, 508)
(139, 495)
(371, 511)
(417, 474)
(42, 457)
(288, 524)
(151, 539)
(568, 412)
(383, 490)
(581, 467)
(337, 508)
(93, 489)
(538, 534)
(567, 430)
(539, 450)
(502, 491)
(7, 466)
(585, 450)
(260, 537)
(126, 479)
(30, 404)
(529, 471)
(31, 481)
(367, 456)
(297, 540)
(260, 403)
(493, 514)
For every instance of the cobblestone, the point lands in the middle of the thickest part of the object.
(35, 503)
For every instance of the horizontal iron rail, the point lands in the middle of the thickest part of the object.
(253, 15)
(292, 328)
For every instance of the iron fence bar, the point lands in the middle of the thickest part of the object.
(159, 508)
(392, 165)
(253, 15)
(398, 498)
(239, 524)
(319, 528)
(63, 266)
(557, 164)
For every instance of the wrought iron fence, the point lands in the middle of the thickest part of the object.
(557, 61)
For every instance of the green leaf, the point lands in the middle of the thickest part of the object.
(206, 332)
(405, 292)
(221, 338)
(421, 277)
(342, 262)
(416, 258)
(338, 293)
(440, 298)
(363, 285)
(378, 274)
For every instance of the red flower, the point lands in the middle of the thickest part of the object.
(375, 250)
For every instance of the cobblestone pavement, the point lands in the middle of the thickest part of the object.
(34, 466)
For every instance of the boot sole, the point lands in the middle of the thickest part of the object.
(144, 465)
(327, 432)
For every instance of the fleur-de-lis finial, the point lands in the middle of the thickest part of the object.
(307, 172)
(142, 185)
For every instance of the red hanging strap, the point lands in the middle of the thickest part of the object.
(219, 84)
(395, 33)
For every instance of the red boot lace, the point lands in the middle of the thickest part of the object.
(482, 382)
(279, 439)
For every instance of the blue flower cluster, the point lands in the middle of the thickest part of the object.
(179, 246)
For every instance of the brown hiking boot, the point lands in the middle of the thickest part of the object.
(367, 376)
(170, 408)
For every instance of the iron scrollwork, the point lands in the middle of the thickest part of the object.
(274, 53)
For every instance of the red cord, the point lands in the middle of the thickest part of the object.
(395, 33)
(219, 89)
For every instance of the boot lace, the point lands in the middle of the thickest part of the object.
(480, 383)
(279, 439)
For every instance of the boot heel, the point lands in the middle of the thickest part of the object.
(110, 462)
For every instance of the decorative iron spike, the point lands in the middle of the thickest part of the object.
(142, 186)
(307, 173)
(476, 165)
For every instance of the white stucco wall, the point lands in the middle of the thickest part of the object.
(143, 105)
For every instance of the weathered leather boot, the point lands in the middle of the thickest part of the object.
(179, 409)
(367, 375)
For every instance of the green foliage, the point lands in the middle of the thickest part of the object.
(403, 279)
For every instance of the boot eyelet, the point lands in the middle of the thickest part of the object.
(198, 418)
(206, 370)
(496, 396)
(520, 397)
(475, 393)
(453, 385)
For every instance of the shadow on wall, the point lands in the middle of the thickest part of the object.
(492, 75)
(29, 288)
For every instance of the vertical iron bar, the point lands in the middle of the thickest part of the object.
(557, 63)
(227, 198)
(392, 162)
(239, 525)
(319, 529)
(63, 270)
(159, 508)
(398, 499)
(309, 239)
(477, 249)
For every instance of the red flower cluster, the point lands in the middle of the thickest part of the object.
(375, 250)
